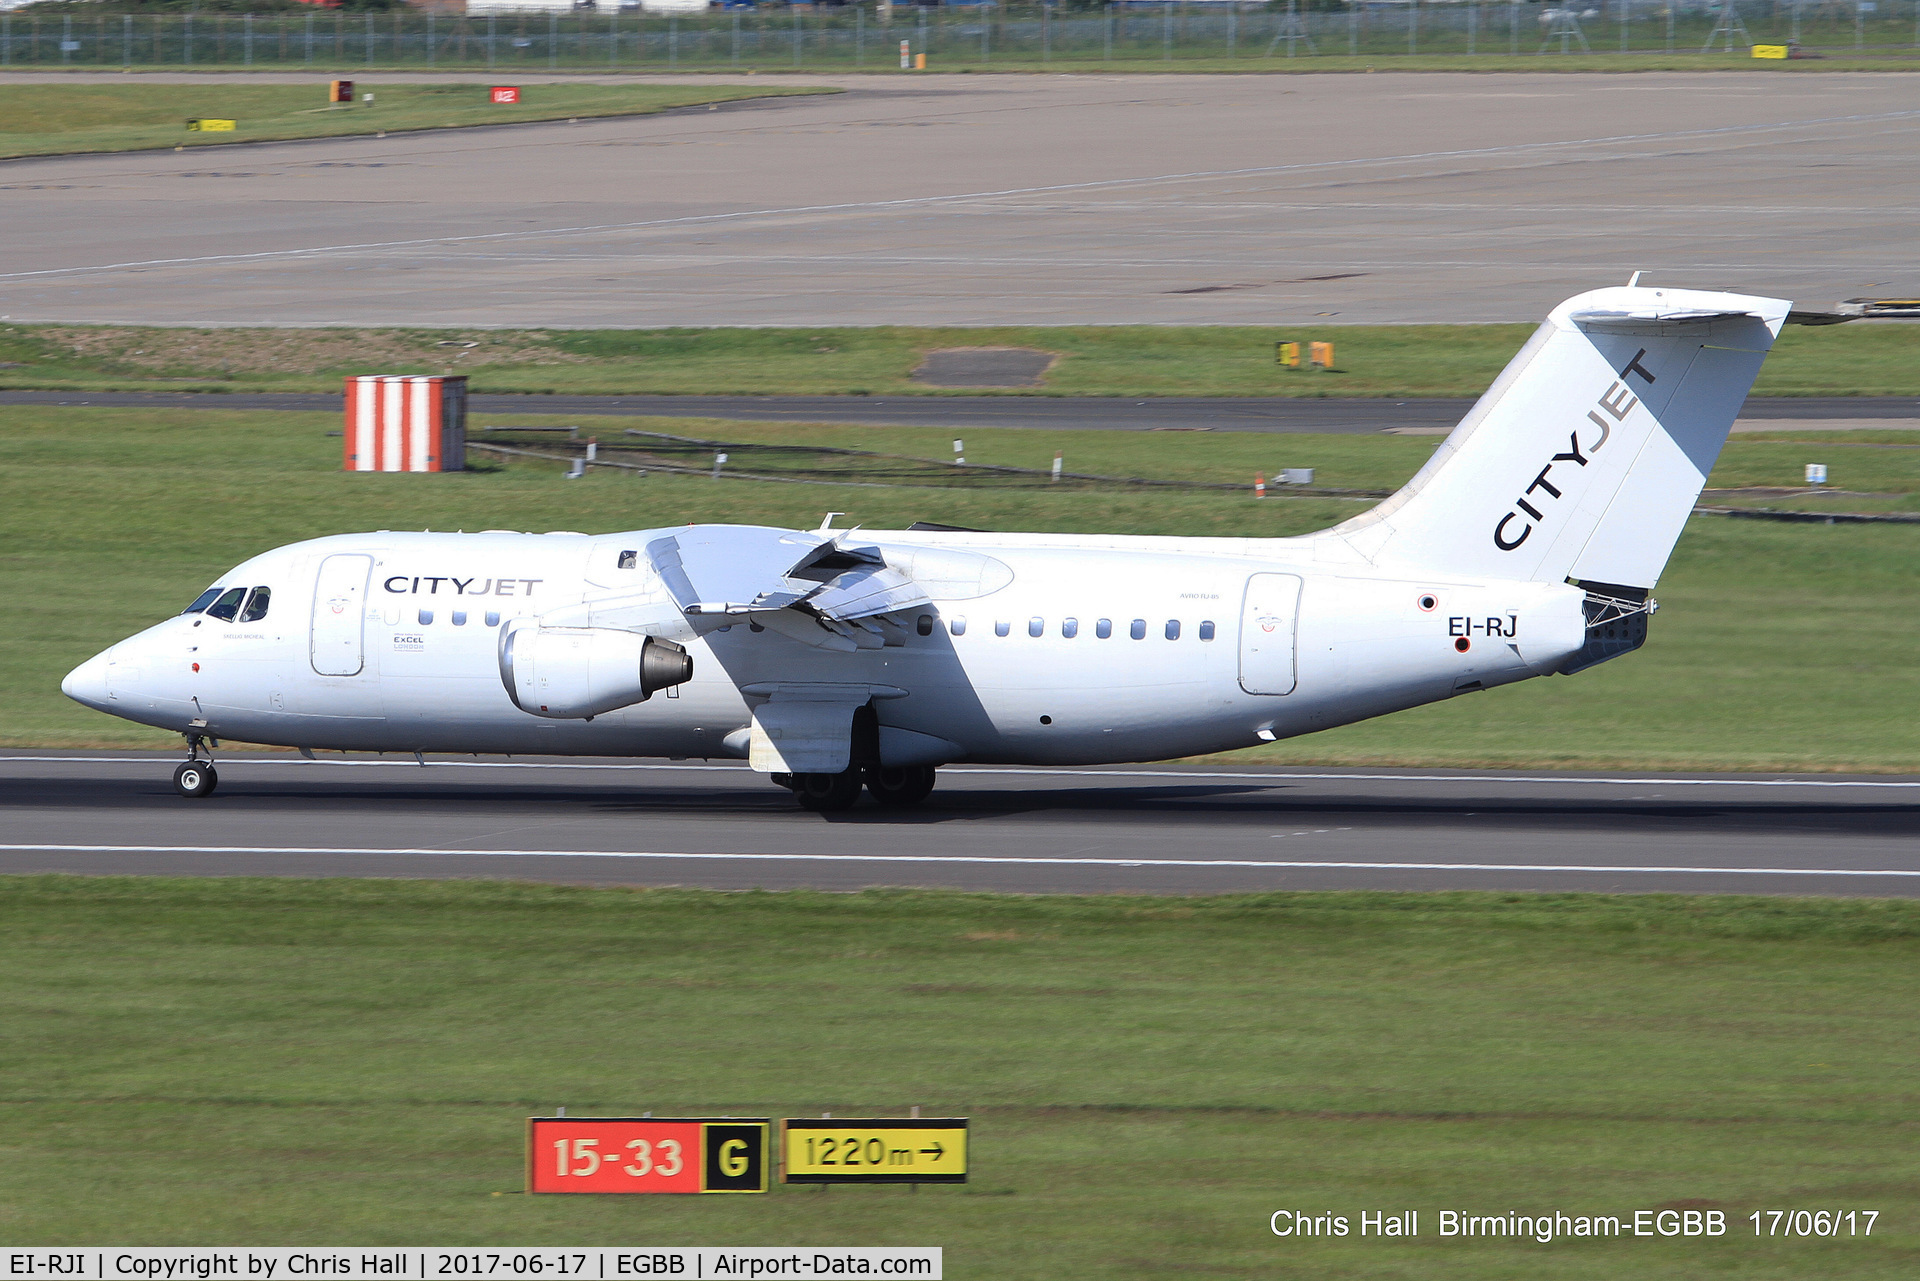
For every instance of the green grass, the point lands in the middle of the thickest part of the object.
(41, 120)
(1870, 359)
(286, 1062)
(1777, 647)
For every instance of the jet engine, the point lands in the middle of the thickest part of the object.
(572, 673)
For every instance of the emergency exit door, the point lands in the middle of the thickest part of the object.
(339, 615)
(1268, 619)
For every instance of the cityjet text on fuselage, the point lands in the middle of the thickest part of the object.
(430, 584)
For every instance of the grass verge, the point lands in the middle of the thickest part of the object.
(282, 1062)
(1863, 359)
(42, 120)
(1778, 647)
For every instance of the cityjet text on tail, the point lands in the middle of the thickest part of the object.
(837, 662)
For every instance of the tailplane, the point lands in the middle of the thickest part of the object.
(1585, 457)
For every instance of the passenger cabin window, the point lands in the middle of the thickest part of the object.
(228, 605)
(1002, 628)
(924, 625)
(1103, 628)
(1036, 626)
(426, 617)
(1206, 630)
(958, 626)
(1069, 627)
(257, 605)
(1173, 629)
(205, 599)
(1139, 629)
(629, 560)
(493, 619)
(459, 618)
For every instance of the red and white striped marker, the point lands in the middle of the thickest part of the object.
(1259, 485)
(406, 423)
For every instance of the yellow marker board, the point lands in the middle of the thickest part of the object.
(883, 1150)
(212, 126)
(1771, 50)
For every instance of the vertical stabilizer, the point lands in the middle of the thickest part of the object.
(1586, 455)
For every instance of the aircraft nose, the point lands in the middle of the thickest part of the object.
(87, 683)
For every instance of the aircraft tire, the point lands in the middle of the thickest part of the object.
(195, 779)
(827, 793)
(899, 786)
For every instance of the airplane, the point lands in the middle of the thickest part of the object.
(843, 661)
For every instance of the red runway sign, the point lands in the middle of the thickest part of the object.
(646, 1154)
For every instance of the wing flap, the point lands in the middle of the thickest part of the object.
(725, 571)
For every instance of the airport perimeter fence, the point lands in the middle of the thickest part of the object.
(951, 38)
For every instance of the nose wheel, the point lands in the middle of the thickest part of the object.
(196, 778)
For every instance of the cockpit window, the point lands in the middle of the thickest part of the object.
(228, 605)
(207, 598)
(630, 560)
(257, 605)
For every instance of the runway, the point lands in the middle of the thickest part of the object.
(1153, 830)
(1015, 199)
(1071, 413)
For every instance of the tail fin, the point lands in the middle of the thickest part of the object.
(1584, 458)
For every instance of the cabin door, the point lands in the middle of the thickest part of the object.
(339, 615)
(1268, 619)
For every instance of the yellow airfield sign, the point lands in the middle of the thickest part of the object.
(879, 1150)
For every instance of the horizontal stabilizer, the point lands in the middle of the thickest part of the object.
(1597, 318)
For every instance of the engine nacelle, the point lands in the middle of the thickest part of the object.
(569, 673)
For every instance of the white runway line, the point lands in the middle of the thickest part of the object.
(958, 771)
(990, 860)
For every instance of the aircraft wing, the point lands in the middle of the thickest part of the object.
(816, 588)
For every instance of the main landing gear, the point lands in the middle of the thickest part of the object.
(893, 787)
(196, 778)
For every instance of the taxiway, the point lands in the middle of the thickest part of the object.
(1006, 199)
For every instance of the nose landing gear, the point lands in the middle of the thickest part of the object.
(196, 778)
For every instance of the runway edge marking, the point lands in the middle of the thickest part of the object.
(1198, 775)
(998, 860)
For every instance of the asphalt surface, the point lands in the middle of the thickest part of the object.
(1015, 199)
(1148, 830)
(1269, 414)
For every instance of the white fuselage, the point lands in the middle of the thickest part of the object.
(1209, 644)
